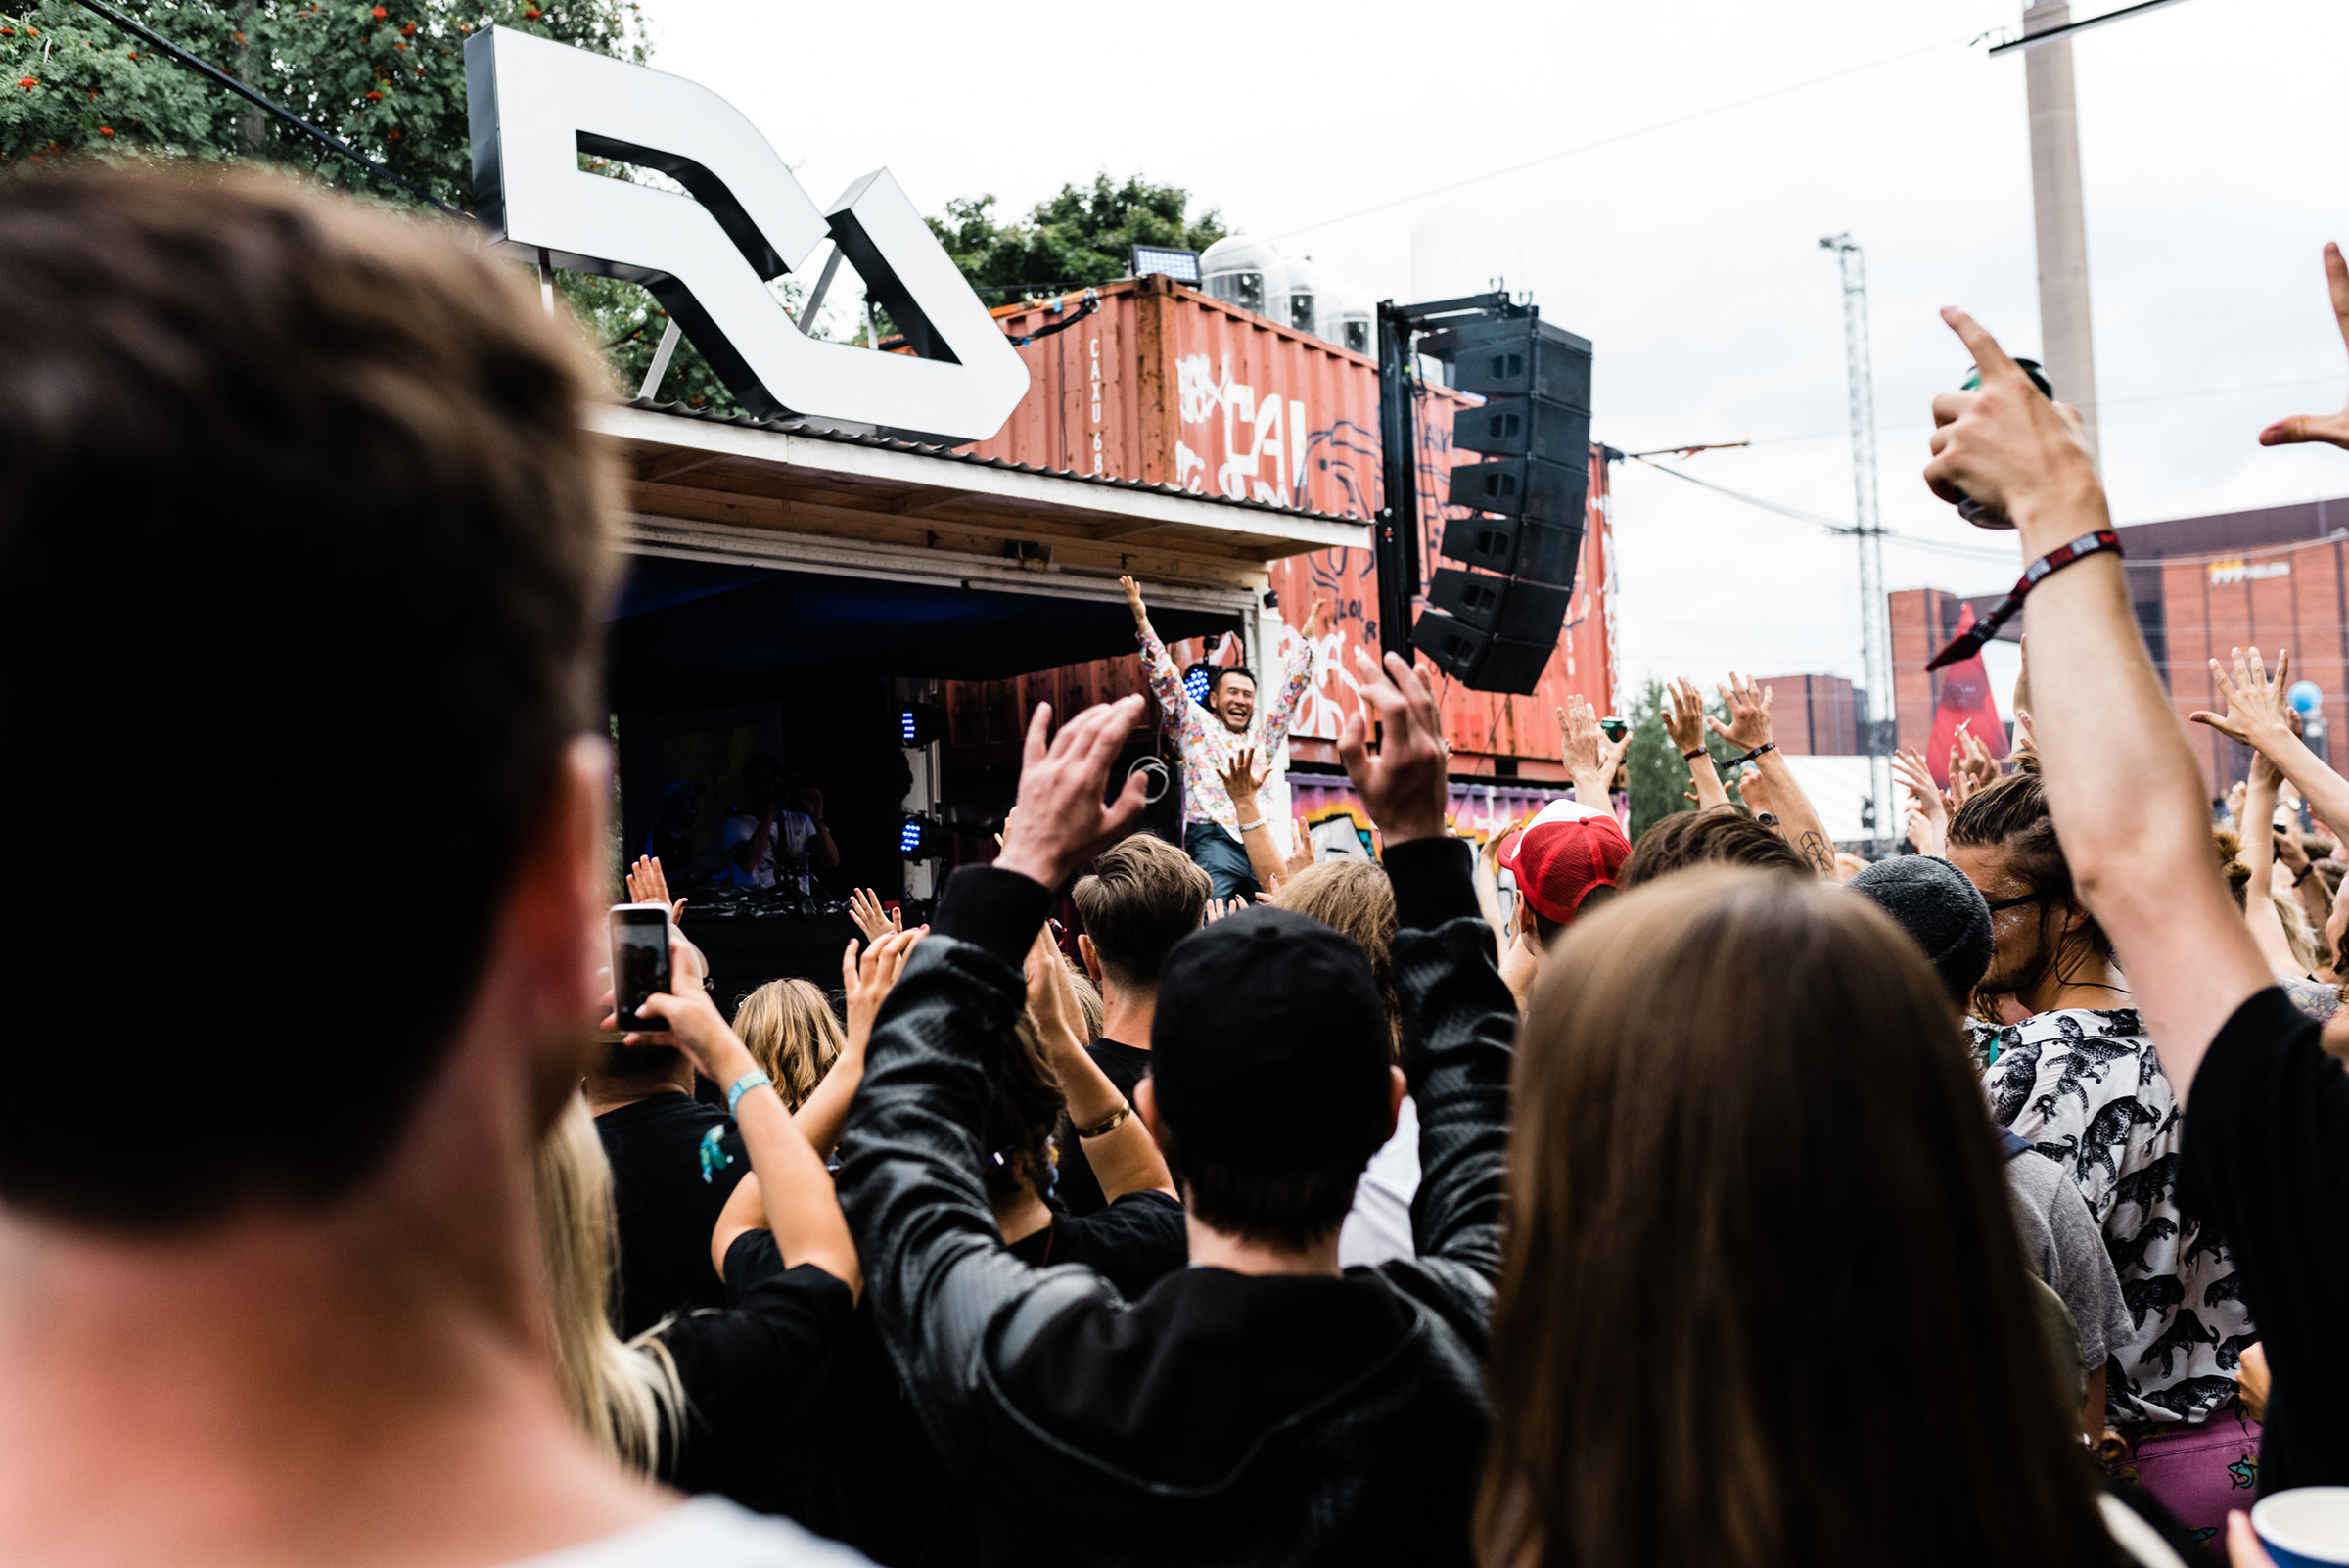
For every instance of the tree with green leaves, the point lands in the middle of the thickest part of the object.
(387, 78)
(1074, 240)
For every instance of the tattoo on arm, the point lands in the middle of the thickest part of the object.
(1814, 848)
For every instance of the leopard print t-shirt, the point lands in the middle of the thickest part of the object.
(2082, 1087)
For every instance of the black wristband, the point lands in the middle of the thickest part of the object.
(1690, 757)
(1969, 642)
(2303, 873)
(1740, 761)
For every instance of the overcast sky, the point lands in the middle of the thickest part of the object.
(2215, 139)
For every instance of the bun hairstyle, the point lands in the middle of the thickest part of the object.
(2230, 847)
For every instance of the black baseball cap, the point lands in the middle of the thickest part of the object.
(1271, 1048)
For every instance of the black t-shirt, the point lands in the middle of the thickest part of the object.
(1075, 1188)
(753, 1372)
(2266, 1158)
(1133, 1243)
(674, 1163)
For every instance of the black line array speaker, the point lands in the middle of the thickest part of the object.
(1495, 628)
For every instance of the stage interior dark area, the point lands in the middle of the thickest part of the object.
(712, 663)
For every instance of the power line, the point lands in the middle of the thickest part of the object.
(1628, 135)
(2104, 402)
(1836, 525)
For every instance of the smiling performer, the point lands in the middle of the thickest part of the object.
(1213, 821)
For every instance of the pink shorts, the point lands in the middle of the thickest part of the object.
(2197, 1472)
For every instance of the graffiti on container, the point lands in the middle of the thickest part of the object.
(1349, 454)
(1263, 452)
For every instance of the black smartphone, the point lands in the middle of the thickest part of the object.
(639, 961)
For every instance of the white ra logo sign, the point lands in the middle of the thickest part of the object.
(535, 106)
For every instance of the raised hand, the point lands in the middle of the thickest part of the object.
(1060, 822)
(1311, 626)
(866, 981)
(1301, 847)
(1588, 753)
(1403, 786)
(1243, 779)
(1683, 714)
(1753, 791)
(1748, 727)
(2007, 447)
(1971, 756)
(2330, 428)
(647, 885)
(1134, 602)
(2258, 713)
(872, 917)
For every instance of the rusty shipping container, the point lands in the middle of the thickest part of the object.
(1167, 386)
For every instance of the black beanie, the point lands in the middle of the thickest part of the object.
(1940, 908)
(1270, 1049)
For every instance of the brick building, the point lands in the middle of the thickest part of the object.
(2274, 578)
(1814, 716)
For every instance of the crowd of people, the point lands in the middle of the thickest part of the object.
(1698, 1200)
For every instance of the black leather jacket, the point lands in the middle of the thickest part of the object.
(1220, 1418)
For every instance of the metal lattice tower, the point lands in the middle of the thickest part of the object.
(1875, 632)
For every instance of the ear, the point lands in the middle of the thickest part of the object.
(551, 943)
(1396, 1088)
(1521, 921)
(1092, 961)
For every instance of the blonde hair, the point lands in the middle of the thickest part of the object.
(1089, 998)
(792, 1034)
(626, 1397)
(1354, 898)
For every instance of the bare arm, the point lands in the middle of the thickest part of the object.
(2259, 854)
(2121, 783)
(2258, 715)
(1929, 828)
(1684, 722)
(865, 982)
(1748, 728)
(1124, 1158)
(1244, 781)
(794, 1186)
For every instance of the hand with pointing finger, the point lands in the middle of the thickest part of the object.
(2010, 448)
(2330, 428)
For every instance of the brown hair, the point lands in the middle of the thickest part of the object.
(317, 485)
(1354, 898)
(2011, 816)
(792, 1034)
(1729, 1262)
(1721, 836)
(1142, 897)
(1089, 998)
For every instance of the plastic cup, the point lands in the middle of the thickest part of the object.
(2307, 1526)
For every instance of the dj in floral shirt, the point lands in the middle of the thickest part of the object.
(1209, 735)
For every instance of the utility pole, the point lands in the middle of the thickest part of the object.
(1875, 632)
(2059, 216)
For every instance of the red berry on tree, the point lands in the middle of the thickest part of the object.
(531, 14)
(374, 97)
(379, 13)
(106, 130)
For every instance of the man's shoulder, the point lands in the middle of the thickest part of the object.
(2120, 1026)
(706, 1532)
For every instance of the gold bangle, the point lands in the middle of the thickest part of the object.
(1107, 1125)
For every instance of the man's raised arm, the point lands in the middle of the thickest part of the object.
(2122, 785)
